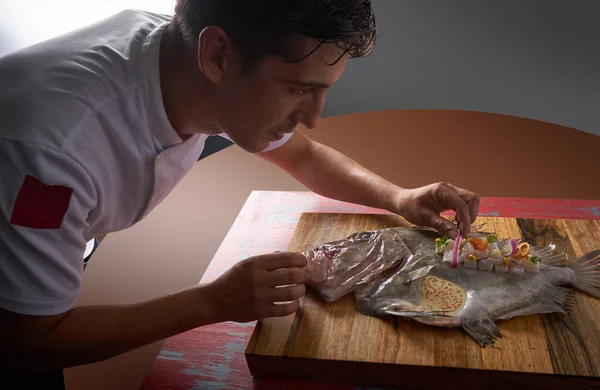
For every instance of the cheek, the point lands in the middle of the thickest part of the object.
(262, 105)
(274, 109)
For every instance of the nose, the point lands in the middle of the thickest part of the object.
(310, 112)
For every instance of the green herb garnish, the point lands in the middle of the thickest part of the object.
(440, 243)
(492, 238)
(535, 259)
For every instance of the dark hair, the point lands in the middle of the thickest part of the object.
(264, 27)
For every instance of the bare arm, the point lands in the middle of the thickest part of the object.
(93, 333)
(334, 175)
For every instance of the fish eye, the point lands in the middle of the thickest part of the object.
(365, 235)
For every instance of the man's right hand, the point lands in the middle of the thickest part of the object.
(250, 289)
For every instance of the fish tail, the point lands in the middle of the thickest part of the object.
(587, 273)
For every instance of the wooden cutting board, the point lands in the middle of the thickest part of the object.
(333, 342)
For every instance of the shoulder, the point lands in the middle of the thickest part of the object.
(56, 84)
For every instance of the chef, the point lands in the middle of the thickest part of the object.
(97, 126)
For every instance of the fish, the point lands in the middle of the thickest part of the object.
(400, 272)
(336, 268)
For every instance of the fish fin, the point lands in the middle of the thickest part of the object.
(587, 273)
(550, 257)
(475, 228)
(411, 263)
(551, 299)
(485, 332)
(424, 229)
(418, 273)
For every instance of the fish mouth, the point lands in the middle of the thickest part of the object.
(319, 266)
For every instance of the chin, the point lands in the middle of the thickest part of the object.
(250, 144)
(254, 147)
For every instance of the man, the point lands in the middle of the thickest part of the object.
(97, 126)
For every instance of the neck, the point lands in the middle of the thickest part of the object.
(187, 95)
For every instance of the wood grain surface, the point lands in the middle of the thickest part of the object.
(333, 342)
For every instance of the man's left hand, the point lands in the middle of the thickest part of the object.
(422, 206)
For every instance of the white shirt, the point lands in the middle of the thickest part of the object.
(85, 148)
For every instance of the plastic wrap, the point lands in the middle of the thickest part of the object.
(429, 290)
(407, 272)
(338, 267)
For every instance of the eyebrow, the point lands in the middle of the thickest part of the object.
(311, 84)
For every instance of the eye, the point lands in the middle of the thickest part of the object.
(365, 235)
(301, 91)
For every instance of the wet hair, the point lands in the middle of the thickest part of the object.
(259, 28)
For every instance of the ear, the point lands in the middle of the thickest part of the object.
(213, 48)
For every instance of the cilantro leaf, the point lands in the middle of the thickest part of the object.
(492, 238)
(442, 242)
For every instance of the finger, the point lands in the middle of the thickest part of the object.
(472, 200)
(451, 199)
(287, 294)
(473, 205)
(443, 225)
(287, 276)
(273, 261)
(281, 310)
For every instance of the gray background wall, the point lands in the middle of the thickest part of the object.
(536, 59)
(529, 58)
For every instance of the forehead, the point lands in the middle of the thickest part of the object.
(320, 66)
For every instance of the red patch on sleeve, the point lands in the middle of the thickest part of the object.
(40, 206)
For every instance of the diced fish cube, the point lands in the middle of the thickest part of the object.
(485, 265)
(447, 257)
(515, 269)
(467, 250)
(529, 266)
(514, 260)
(470, 264)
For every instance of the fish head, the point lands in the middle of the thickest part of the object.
(360, 255)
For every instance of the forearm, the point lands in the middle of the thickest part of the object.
(331, 174)
(94, 333)
(334, 175)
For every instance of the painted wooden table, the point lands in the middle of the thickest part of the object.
(212, 357)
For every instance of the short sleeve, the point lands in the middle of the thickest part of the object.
(45, 199)
(273, 145)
